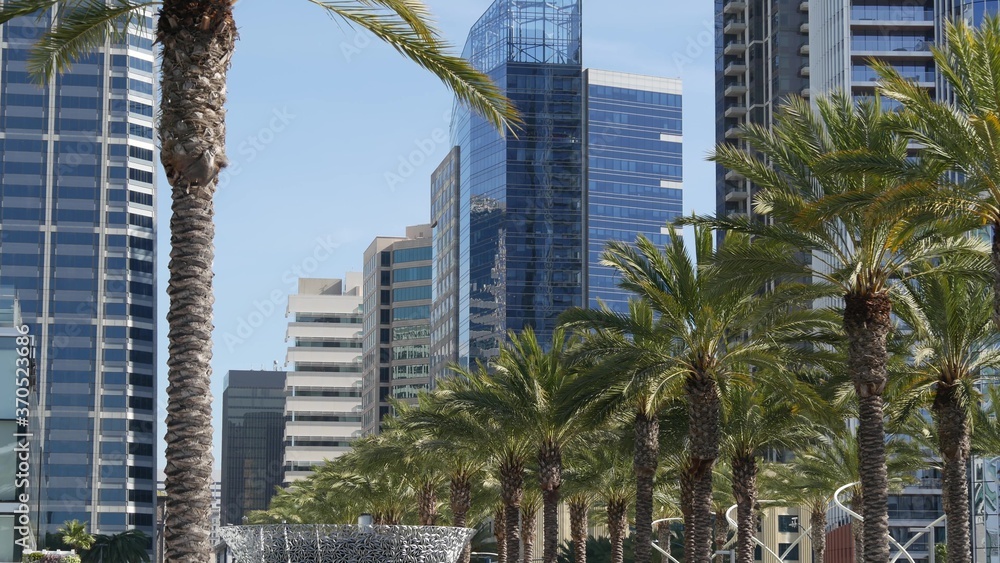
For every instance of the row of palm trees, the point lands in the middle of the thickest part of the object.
(891, 243)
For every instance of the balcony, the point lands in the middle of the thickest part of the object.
(735, 27)
(735, 90)
(734, 7)
(735, 69)
(737, 47)
(733, 133)
(736, 111)
(734, 176)
(737, 195)
(804, 6)
(804, 49)
(804, 71)
(804, 29)
(804, 93)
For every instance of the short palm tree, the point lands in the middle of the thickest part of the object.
(197, 39)
(127, 547)
(959, 133)
(754, 421)
(677, 341)
(831, 227)
(74, 534)
(608, 472)
(956, 344)
(529, 387)
(530, 505)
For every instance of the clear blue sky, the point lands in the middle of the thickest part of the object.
(319, 115)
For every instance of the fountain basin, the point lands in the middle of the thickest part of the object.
(326, 543)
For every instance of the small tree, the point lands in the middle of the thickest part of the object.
(74, 534)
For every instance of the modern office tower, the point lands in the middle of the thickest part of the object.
(633, 172)
(253, 441)
(77, 245)
(15, 372)
(323, 387)
(520, 242)
(762, 56)
(397, 323)
(444, 306)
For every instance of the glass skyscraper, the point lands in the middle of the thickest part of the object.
(77, 246)
(634, 169)
(520, 221)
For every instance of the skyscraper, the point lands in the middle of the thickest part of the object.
(762, 57)
(253, 434)
(634, 169)
(77, 245)
(397, 322)
(444, 271)
(323, 388)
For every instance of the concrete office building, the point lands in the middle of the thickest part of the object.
(397, 322)
(323, 385)
(253, 441)
(519, 222)
(77, 206)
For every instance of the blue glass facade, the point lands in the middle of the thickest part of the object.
(634, 169)
(77, 245)
(521, 198)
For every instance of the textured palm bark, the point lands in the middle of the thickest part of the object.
(996, 271)
(745, 493)
(198, 37)
(427, 504)
(578, 508)
(953, 433)
(646, 458)
(817, 519)
(663, 537)
(550, 479)
(687, 485)
(867, 323)
(512, 492)
(528, 521)
(460, 500)
(500, 533)
(617, 525)
(721, 530)
(703, 435)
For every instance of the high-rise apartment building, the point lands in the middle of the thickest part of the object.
(762, 57)
(253, 441)
(323, 386)
(633, 169)
(397, 322)
(520, 221)
(77, 246)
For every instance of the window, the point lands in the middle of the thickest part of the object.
(411, 254)
(140, 175)
(140, 221)
(411, 332)
(788, 523)
(411, 293)
(411, 313)
(140, 197)
(793, 555)
(140, 153)
(140, 130)
(412, 274)
(414, 352)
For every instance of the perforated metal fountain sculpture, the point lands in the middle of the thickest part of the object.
(319, 543)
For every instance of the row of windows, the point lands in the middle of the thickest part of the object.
(410, 372)
(640, 96)
(325, 392)
(411, 254)
(140, 220)
(140, 197)
(320, 417)
(331, 319)
(902, 41)
(412, 352)
(411, 332)
(321, 343)
(411, 313)
(411, 293)
(418, 273)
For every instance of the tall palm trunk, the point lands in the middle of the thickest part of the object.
(647, 454)
(550, 479)
(867, 323)
(617, 524)
(703, 433)
(996, 271)
(529, 513)
(745, 492)
(512, 492)
(721, 531)
(687, 484)
(953, 433)
(857, 531)
(817, 519)
(427, 505)
(663, 538)
(198, 37)
(460, 500)
(578, 508)
(500, 533)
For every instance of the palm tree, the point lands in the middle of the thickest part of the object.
(831, 227)
(197, 39)
(127, 547)
(74, 534)
(528, 388)
(608, 472)
(756, 420)
(677, 341)
(958, 134)
(956, 343)
(530, 504)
